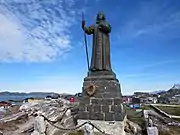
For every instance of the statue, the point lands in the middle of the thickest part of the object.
(101, 91)
(100, 60)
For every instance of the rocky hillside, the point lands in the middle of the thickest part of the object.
(39, 118)
(175, 90)
(51, 117)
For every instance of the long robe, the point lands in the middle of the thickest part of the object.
(100, 60)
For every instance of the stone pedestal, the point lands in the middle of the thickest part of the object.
(105, 103)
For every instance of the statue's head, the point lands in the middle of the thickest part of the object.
(100, 17)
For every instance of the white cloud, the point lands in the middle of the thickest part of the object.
(35, 31)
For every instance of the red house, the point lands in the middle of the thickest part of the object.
(4, 104)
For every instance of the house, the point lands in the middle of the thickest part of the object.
(53, 96)
(151, 99)
(163, 100)
(48, 97)
(140, 94)
(175, 99)
(78, 95)
(135, 103)
(146, 98)
(126, 99)
(4, 104)
(136, 100)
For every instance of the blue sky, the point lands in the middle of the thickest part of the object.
(42, 47)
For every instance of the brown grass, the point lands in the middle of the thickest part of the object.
(170, 110)
(79, 132)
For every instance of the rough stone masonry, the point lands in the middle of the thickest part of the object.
(101, 93)
(105, 104)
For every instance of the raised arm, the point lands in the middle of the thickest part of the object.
(89, 30)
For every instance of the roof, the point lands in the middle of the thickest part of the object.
(3, 103)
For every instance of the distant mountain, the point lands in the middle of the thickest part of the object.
(176, 86)
(16, 96)
(6, 93)
(23, 93)
(175, 90)
(157, 92)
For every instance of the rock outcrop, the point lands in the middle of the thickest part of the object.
(132, 128)
(41, 118)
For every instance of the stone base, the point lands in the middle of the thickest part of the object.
(106, 86)
(108, 109)
(110, 128)
(106, 103)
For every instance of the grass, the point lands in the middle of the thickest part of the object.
(170, 110)
(173, 130)
(79, 132)
(137, 118)
(134, 116)
(164, 133)
(147, 107)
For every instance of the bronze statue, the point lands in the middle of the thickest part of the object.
(100, 60)
(101, 89)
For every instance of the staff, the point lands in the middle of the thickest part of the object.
(85, 40)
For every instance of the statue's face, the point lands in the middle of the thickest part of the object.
(100, 16)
